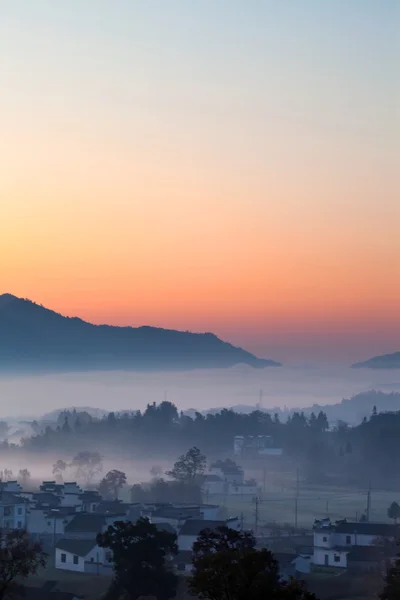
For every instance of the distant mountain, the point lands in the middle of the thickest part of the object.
(386, 361)
(35, 338)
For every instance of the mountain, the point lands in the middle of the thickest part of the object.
(35, 338)
(386, 361)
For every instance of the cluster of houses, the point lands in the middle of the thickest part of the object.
(67, 520)
(228, 479)
(354, 545)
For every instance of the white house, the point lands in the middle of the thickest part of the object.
(191, 529)
(333, 542)
(81, 555)
(12, 511)
(243, 489)
(213, 484)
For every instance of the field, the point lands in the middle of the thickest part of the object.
(278, 504)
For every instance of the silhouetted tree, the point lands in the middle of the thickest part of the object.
(139, 555)
(227, 566)
(111, 484)
(189, 466)
(24, 477)
(87, 465)
(393, 511)
(20, 557)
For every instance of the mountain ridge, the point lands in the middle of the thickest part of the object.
(33, 337)
(383, 361)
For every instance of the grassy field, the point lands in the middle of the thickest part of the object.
(278, 505)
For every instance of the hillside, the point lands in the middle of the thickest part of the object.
(35, 338)
(386, 361)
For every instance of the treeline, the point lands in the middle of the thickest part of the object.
(342, 453)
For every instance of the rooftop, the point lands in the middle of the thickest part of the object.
(86, 523)
(78, 547)
(194, 526)
(165, 527)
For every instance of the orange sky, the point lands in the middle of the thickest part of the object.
(184, 188)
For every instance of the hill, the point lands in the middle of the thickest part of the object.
(386, 361)
(35, 338)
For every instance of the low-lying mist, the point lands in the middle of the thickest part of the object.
(31, 396)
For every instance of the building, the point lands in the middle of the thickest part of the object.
(82, 556)
(213, 484)
(248, 488)
(191, 529)
(339, 544)
(262, 445)
(12, 511)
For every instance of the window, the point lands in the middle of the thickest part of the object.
(19, 525)
(76, 559)
(49, 523)
(63, 558)
(348, 539)
(337, 558)
(7, 511)
(20, 511)
(91, 559)
(324, 539)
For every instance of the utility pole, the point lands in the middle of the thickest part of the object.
(256, 516)
(296, 500)
(368, 513)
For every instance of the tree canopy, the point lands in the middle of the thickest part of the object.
(140, 556)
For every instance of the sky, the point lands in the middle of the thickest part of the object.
(212, 165)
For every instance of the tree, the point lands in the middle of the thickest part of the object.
(59, 469)
(227, 566)
(139, 555)
(391, 590)
(112, 483)
(87, 465)
(393, 511)
(7, 474)
(19, 557)
(24, 477)
(189, 467)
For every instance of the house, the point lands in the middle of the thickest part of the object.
(167, 527)
(191, 529)
(333, 542)
(81, 556)
(213, 484)
(48, 524)
(12, 511)
(10, 486)
(248, 488)
(229, 473)
(85, 526)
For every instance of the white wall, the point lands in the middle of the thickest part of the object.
(69, 564)
(210, 513)
(321, 553)
(213, 487)
(242, 490)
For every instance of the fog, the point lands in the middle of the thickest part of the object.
(31, 396)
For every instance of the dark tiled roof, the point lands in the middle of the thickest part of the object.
(194, 526)
(112, 506)
(78, 547)
(366, 553)
(165, 527)
(213, 478)
(375, 529)
(46, 498)
(10, 498)
(85, 523)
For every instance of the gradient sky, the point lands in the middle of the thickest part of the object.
(220, 165)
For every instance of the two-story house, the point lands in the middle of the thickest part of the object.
(12, 511)
(333, 542)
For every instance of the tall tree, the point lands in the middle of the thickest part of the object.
(59, 469)
(189, 467)
(393, 511)
(111, 484)
(87, 465)
(139, 555)
(24, 477)
(19, 557)
(227, 566)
